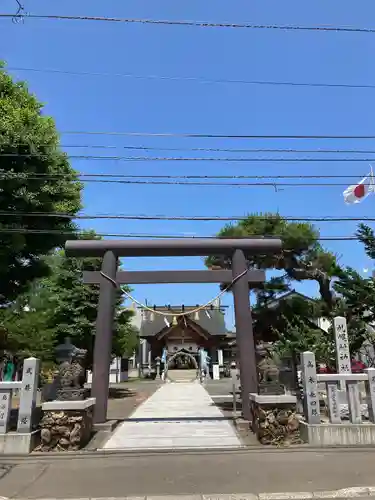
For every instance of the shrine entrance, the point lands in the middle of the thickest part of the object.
(182, 366)
(236, 251)
(182, 360)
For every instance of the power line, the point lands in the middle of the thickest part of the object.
(217, 184)
(214, 136)
(217, 150)
(182, 158)
(17, 175)
(141, 235)
(190, 183)
(228, 150)
(199, 24)
(196, 79)
(184, 217)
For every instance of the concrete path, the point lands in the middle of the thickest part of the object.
(176, 416)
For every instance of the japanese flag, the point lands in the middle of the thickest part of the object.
(360, 191)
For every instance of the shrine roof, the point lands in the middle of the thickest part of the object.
(291, 294)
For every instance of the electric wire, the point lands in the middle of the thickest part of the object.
(22, 230)
(16, 175)
(202, 184)
(219, 81)
(204, 218)
(212, 136)
(199, 24)
(217, 150)
(194, 159)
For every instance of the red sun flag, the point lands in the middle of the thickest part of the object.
(358, 192)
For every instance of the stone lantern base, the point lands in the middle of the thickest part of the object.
(274, 420)
(66, 425)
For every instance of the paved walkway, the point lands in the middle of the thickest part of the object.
(178, 416)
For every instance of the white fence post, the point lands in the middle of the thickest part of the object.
(310, 388)
(5, 409)
(370, 393)
(354, 402)
(333, 402)
(30, 376)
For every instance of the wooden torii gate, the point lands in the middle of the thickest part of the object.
(239, 278)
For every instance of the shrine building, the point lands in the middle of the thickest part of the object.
(185, 332)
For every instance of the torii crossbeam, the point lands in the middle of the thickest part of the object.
(239, 278)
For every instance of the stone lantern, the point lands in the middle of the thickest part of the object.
(63, 352)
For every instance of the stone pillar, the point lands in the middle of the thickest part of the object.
(30, 377)
(344, 365)
(310, 388)
(343, 361)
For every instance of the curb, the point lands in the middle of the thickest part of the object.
(344, 493)
(246, 449)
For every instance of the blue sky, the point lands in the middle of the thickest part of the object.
(121, 104)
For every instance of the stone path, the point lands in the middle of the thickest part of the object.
(176, 416)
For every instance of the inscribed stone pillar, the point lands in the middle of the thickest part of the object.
(30, 376)
(343, 361)
(310, 388)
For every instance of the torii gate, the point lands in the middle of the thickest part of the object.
(239, 277)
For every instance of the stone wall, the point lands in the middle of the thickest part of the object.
(275, 425)
(65, 430)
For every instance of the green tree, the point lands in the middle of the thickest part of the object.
(292, 323)
(25, 326)
(60, 306)
(75, 304)
(302, 257)
(366, 236)
(35, 176)
(356, 296)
